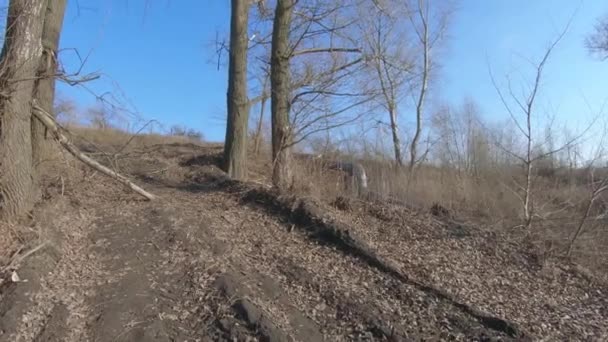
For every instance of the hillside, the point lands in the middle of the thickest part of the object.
(219, 260)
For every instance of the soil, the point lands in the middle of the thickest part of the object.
(218, 260)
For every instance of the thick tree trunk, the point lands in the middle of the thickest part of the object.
(235, 148)
(44, 91)
(280, 87)
(18, 65)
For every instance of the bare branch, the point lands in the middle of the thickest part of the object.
(506, 104)
(330, 49)
(597, 43)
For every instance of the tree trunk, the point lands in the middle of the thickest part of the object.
(18, 65)
(280, 87)
(395, 131)
(235, 148)
(258, 130)
(527, 194)
(421, 98)
(44, 89)
(581, 224)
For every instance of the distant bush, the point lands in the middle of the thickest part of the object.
(180, 131)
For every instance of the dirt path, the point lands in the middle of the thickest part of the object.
(204, 267)
(206, 263)
(136, 303)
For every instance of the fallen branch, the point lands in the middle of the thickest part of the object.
(17, 259)
(49, 122)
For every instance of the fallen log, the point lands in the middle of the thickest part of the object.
(49, 122)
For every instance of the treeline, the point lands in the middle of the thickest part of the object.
(325, 65)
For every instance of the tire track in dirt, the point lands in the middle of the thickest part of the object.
(126, 306)
(145, 251)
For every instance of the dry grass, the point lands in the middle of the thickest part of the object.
(113, 140)
(487, 199)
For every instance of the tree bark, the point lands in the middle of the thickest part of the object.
(258, 130)
(387, 85)
(235, 148)
(282, 175)
(396, 141)
(18, 65)
(595, 194)
(44, 89)
(420, 103)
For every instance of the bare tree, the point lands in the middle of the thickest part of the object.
(597, 189)
(597, 42)
(257, 135)
(257, 71)
(99, 117)
(312, 75)
(280, 78)
(258, 81)
(527, 108)
(18, 69)
(235, 148)
(429, 25)
(462, 144)
(44, 91)
(65, 112)
(180, 131)
(385, 45)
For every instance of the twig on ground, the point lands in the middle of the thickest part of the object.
(17, 259)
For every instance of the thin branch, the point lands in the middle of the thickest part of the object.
(330, 49)
(505, 103)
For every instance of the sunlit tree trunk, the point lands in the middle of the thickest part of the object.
(44, 91)
(258, 130)
(280, 96)
(235, 148)
(396, 140)
(421, 99)
(18, 65)
(260, 123)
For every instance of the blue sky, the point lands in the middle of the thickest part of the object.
(160, 54)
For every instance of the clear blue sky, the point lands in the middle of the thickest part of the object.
(159, 53)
